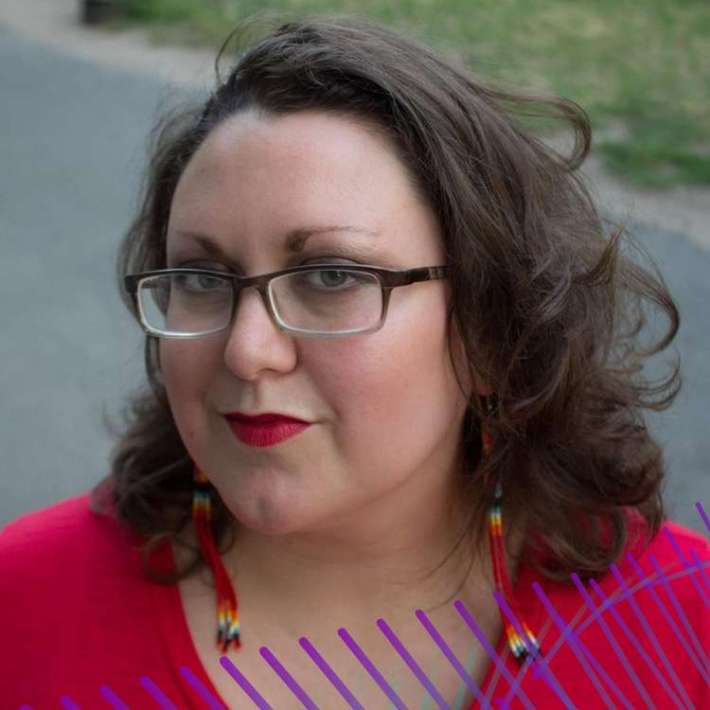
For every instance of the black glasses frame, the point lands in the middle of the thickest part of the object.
(388, 278)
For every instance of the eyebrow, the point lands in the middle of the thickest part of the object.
(295, 238)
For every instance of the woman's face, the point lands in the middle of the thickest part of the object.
(385, 407)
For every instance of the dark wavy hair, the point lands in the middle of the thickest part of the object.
(547, 299)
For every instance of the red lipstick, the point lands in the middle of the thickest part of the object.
(264, 429)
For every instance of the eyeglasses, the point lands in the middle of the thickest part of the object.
(319, 300)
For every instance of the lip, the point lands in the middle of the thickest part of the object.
(266, 418)
(265, 430)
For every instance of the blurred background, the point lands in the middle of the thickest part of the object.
(84, 80)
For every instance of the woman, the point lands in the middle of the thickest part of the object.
(393, 363)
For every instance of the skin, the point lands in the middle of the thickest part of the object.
(351, 514)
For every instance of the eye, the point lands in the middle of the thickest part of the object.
(329, 278)
(200, 283)
(332, 281)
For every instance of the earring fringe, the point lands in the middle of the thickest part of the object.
(228, 629)
(501, 575)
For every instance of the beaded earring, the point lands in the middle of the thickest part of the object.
(228, 631)
(498, 558)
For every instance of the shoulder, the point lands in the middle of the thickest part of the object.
(653, 575)
(671, 561)
(75, 605)
(674, 553)
(61, 542)
(644, 620)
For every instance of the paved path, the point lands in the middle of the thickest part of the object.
(72, 136)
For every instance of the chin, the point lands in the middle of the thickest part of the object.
(268, 515)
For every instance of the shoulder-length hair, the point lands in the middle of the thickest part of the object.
(549, 305)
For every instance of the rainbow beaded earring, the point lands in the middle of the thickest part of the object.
(228, 631)
(500, 567)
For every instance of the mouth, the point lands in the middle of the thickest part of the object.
(264, 430)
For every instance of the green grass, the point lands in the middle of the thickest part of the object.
(641, 68)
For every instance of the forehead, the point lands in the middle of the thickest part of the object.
(256, 172)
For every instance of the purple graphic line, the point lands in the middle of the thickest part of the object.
(700, 661)
(112, 698)
(686, 564)
(25, 707)
(703, 514)
(531, 656)
(371, 669)
(490, 650)
(202, 691)
(412, 664)
(451, 657)
(649, 634)
(157, 694)
(287, 678)
(245, 685)
(700, 565)
(567, 633)
(584, 623)
(68, 703)
(539, 660)
(329, 673)
(597, 614)
(549, 653)
(516, 689)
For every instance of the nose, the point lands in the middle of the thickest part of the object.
(255, 343)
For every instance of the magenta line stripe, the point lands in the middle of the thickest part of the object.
(604, 675)
(451, 657)
(287, 678)
(649, 634)
(538, 660)
(597, 614)
(592, 659)
(492, 654)
(568, 634)
(157, 694)
(638, 648)
(68, 703)
(412, 664)
(701, 659)
(245, 685)
(112, 698)
(329, 673)
(703, 514)
(202, 691)
(371, 669)
(700, 566)
(686, 564)
(591, 618)
(25, 707)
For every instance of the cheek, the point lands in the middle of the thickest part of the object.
(187, 369)
(389, 386)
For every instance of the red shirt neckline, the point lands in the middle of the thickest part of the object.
(179, 646)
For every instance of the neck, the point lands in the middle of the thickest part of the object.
(368, 564)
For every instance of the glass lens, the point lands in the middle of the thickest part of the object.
(186, 303)
(328, 300)
(317, 301)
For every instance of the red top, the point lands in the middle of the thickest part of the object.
(79, 621)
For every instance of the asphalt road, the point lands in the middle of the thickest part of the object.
(72, 146)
